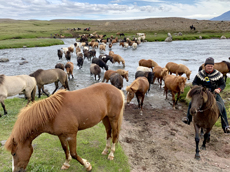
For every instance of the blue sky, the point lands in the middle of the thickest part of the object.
(112, 9)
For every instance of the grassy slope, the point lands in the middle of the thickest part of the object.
(48, 154)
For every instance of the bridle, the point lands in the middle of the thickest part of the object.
(202, 110)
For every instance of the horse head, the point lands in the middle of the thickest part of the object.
(21, 153)
(182, 82)
(131, 90)
(188, 73)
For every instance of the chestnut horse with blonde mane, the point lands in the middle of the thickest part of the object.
(64, 114)
(205, 111)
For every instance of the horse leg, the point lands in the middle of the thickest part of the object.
(173, 98)
(142, 100)
(56, 84)
(72, 146)
(197, 139)
(138, 101)
(44, 91)
(206, 139)
(178, 96)
(64, 144)
(108, 129)
(4, 108)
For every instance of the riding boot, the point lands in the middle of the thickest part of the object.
(188, 119)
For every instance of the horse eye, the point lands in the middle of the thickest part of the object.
(13, 154)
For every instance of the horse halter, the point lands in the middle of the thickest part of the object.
(202, 110)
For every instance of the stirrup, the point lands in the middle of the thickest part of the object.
(186, 120)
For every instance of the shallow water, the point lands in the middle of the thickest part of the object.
(190, 53)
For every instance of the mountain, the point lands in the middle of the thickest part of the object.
(224, 17)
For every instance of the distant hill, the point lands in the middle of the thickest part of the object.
(224, 17)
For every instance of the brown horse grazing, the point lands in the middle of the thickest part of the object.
(44, 77)
(69, 69)
(176, 85)
(147, 63)
(178, 69)
(139, 87)
(64, 114)
(205, 111)
(223, 67)
(60, 66)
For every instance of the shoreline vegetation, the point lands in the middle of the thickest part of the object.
(39, 33)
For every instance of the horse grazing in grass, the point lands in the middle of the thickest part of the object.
(178, 69)
(223, 67)
(176, 85)
(12, 85)
(44, 77)
(69, 69)
(64, 114)
(205, 113)
(138, 87)
(147, 63)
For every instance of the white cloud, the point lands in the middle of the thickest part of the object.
(66, 9)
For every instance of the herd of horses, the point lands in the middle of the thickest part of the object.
(49, 115)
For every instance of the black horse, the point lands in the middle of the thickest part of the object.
(100, 63)
(192, 27)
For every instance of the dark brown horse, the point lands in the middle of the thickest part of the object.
(223, 67)
(64, 114)
(205, 112)
(44, 77)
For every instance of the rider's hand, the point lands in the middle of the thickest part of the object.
(217, 90)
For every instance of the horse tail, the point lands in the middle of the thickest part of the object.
(121, 114)
(66, 83)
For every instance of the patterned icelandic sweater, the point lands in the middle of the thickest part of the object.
(211, 80)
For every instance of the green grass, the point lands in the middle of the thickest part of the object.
(19, 33)
(224, 94)
(48, 155)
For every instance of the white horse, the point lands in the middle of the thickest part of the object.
(12, 85)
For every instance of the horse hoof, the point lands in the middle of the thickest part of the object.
(89, 168)
(141, 113)
(197, 157)
(110, 157)
(104, 153)
(203, 148)
(65, 166)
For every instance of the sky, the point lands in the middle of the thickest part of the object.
(111, 9)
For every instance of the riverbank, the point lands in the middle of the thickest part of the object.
(14, 31)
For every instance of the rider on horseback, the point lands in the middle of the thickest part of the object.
(214, 81)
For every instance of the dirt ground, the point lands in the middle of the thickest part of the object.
(159, 141)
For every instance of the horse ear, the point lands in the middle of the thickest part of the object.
(128, 88)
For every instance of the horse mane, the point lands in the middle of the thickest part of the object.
(211, 101)
(31, 118)
(36, 73)
(228, 64)
(67, 65)
(2, 78)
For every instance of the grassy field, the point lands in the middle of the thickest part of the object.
(48, 155)
(32, 33)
